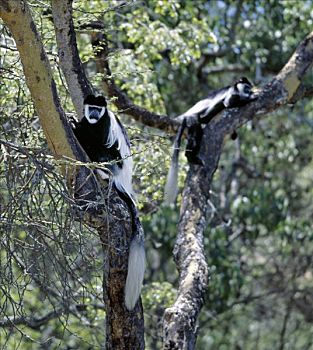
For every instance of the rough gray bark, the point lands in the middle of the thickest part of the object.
(124, 329)
(180, 320)
(17, 17)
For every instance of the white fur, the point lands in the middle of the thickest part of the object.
(123, 178)
(123, 181)
(135, 274)
(198, 107)
(171, 188)
(104, 175)
(241, 89)
(229, 94)
(203, 107)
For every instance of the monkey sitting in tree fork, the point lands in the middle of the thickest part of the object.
(104, 139)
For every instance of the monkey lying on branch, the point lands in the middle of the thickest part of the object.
(196, 118)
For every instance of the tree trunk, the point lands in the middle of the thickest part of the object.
(100, 208)
(179, 327)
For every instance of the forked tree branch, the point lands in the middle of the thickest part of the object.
(286, 87)
(113, 222)
(60, 138)
(124, 329)
(17, 17)
(180, 319)
(122, 101)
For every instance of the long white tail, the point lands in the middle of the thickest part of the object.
(136, 257)
(171, 187)
(135, 274)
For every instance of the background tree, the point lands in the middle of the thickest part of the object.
(155, 59)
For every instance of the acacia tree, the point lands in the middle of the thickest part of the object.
(125, 329)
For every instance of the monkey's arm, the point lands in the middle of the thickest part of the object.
(229, 97)
(205, 110)
(195, 119)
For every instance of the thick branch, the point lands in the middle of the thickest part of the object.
(17, 17)
(70, 62)
(180, 319)
(122, 101)
(302, 92)
(108, 213)
(60, 138)
(125, 330)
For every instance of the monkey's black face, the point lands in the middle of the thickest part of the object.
(244, 89)
(94, 113)
(95, 108)
(243, 80)
(240, 94)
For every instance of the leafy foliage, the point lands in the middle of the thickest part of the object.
(165, 55)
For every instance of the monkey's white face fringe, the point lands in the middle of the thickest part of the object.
(123, 177)
(93, 120)
(244, 90)
(135, 275)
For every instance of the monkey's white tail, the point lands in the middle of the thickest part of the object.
(136, 257)
(135, 274)
(171, 187)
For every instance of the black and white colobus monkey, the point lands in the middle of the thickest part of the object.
(195, 120)
(104, 139)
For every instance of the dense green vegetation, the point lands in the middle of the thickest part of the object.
(165, 55)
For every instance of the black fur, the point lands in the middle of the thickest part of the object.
(93, 139)
(93, 132)
(95, 101)
(195, 131)
(195, 120)
(194, 138)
